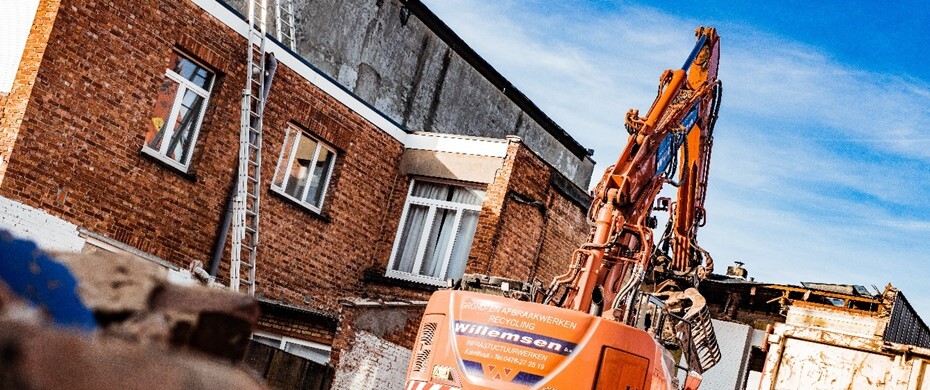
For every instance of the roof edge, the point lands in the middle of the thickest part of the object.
(458, 45)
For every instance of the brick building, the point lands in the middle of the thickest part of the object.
(396, 158)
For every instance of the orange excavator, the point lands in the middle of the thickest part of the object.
(627, 314)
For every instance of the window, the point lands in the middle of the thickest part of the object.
(436, 232)
(304, 168)
(182, 100)
(309, 350)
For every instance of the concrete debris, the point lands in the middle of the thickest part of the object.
(149, 333)
(37, 357)
(14, 308)
(133, 300)
(112, 283)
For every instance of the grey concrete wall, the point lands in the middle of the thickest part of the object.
(402, 68)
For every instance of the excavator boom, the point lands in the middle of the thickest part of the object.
(609, 321)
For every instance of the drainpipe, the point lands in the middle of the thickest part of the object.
(271, 65)
(543, 209)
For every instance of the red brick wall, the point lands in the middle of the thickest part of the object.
(394, 324)
(77, 155)
(483, 246)
(298, 325)
(13, 105)
(566, 229)
(78, 152)
(524, 219)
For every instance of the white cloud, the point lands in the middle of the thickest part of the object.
(819, 168)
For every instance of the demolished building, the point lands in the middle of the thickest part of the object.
(813, 335)
(848, 342)
(396, 158)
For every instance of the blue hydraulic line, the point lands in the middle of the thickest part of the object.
(694, 52)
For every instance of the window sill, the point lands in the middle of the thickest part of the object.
(378, 276)
(158, 158)
(290, 199)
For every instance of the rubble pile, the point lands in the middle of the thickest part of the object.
(141, 331)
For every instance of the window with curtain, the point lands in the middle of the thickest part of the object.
(437, 228)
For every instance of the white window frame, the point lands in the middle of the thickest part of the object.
(285, 339)
(298, 133)
(433, 204)
(183, 85)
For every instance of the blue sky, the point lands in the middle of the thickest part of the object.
(822, 151)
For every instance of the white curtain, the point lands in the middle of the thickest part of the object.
(441, 234)
(467, 195)
(422, 189)
(415, 224)
(410, 238)
(438, 243)
(462, 246)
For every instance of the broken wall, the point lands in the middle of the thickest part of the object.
(77, 160)
(372, 363)
(374, 340)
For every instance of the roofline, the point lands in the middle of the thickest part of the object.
(438, 27)
(295, 308)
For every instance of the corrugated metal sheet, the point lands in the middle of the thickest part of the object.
(735, 341)
(905, 326)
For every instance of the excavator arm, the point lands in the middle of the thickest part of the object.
(621, 245)
(626, 304)
(607, 273)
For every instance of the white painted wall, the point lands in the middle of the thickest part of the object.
(372, 363)
(48, 231)
(15, 21)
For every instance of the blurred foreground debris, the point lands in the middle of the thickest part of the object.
(143, 331)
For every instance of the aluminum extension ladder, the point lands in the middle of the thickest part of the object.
(247, 201)
(284, 23)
